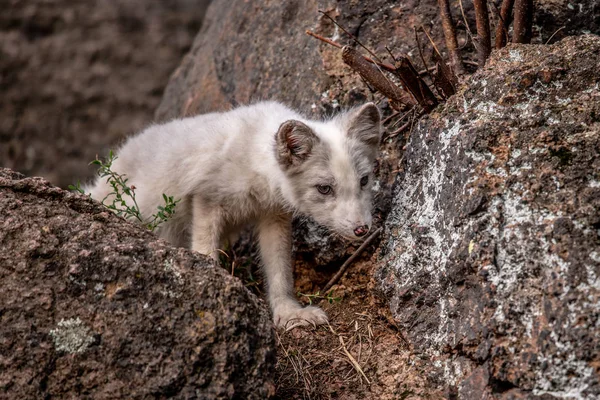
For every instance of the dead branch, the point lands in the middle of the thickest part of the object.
(324, 39)
(523, 21)
(350, 260)
(555, 32)
(484, 38)
(353, 361)
(502, 28)
(409, 76)
(374, 76)
(450, 36)
(399, 130)
(444, 78)
(382, 65)
(431, 41)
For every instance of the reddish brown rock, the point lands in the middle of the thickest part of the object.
(491, 253)
(92, 306)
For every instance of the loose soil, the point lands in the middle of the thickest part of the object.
(361, 354)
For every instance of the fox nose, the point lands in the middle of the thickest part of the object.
(361, 230)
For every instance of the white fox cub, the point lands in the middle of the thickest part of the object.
(258, 164)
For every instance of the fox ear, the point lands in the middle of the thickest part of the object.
(295, 141)
(365, 125)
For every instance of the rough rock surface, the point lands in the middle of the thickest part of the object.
(78, 76)
(94, 307)
(491, 252)
(556, 19)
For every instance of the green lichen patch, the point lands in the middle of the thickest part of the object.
(72, 336)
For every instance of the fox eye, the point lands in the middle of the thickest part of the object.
(364, 180)
(324, 189)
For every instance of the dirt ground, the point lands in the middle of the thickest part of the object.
(361, 354)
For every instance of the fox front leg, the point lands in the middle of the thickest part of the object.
(275, 234)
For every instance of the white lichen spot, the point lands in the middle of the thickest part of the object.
(172, 268)
(99, 287)
(515, 55)
(594, 183)
(71, 336)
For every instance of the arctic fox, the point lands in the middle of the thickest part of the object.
(258, 164)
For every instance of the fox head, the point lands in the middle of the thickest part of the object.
(329, 168)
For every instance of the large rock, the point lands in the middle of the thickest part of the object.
(92, 306)
(78, 76)
(492, 248)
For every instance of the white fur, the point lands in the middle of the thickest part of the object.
(224, 168)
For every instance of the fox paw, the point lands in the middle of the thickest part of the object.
(290, 316)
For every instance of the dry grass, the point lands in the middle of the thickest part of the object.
(359, 355)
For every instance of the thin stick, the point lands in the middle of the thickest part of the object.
(350, 260)
(393, 115)
(324, 39)
(555, 32)
(423, 60)
(351, 35)
(502, 28)
(431, 40)
(383, 65)
(462, 11)
(398, 131)
(484, 37)
(352, 360)
(450, 36)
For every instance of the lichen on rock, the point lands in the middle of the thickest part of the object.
(487, 255)
(94, 306)
(72, 336)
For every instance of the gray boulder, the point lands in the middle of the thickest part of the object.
(491, 253)
(92, 306)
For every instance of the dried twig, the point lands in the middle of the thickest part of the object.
(374, 76)
(399, 130)
(444, 78)
(484, 39)
(411, 80)
(424, 62)
(502, 28)
(523, 21)
(555, 32)
(350, 260)
(383, 65)
(353, 360)
(351, 35)
(431, 41)
(450, 36)
(462, 11)
(324, 39)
